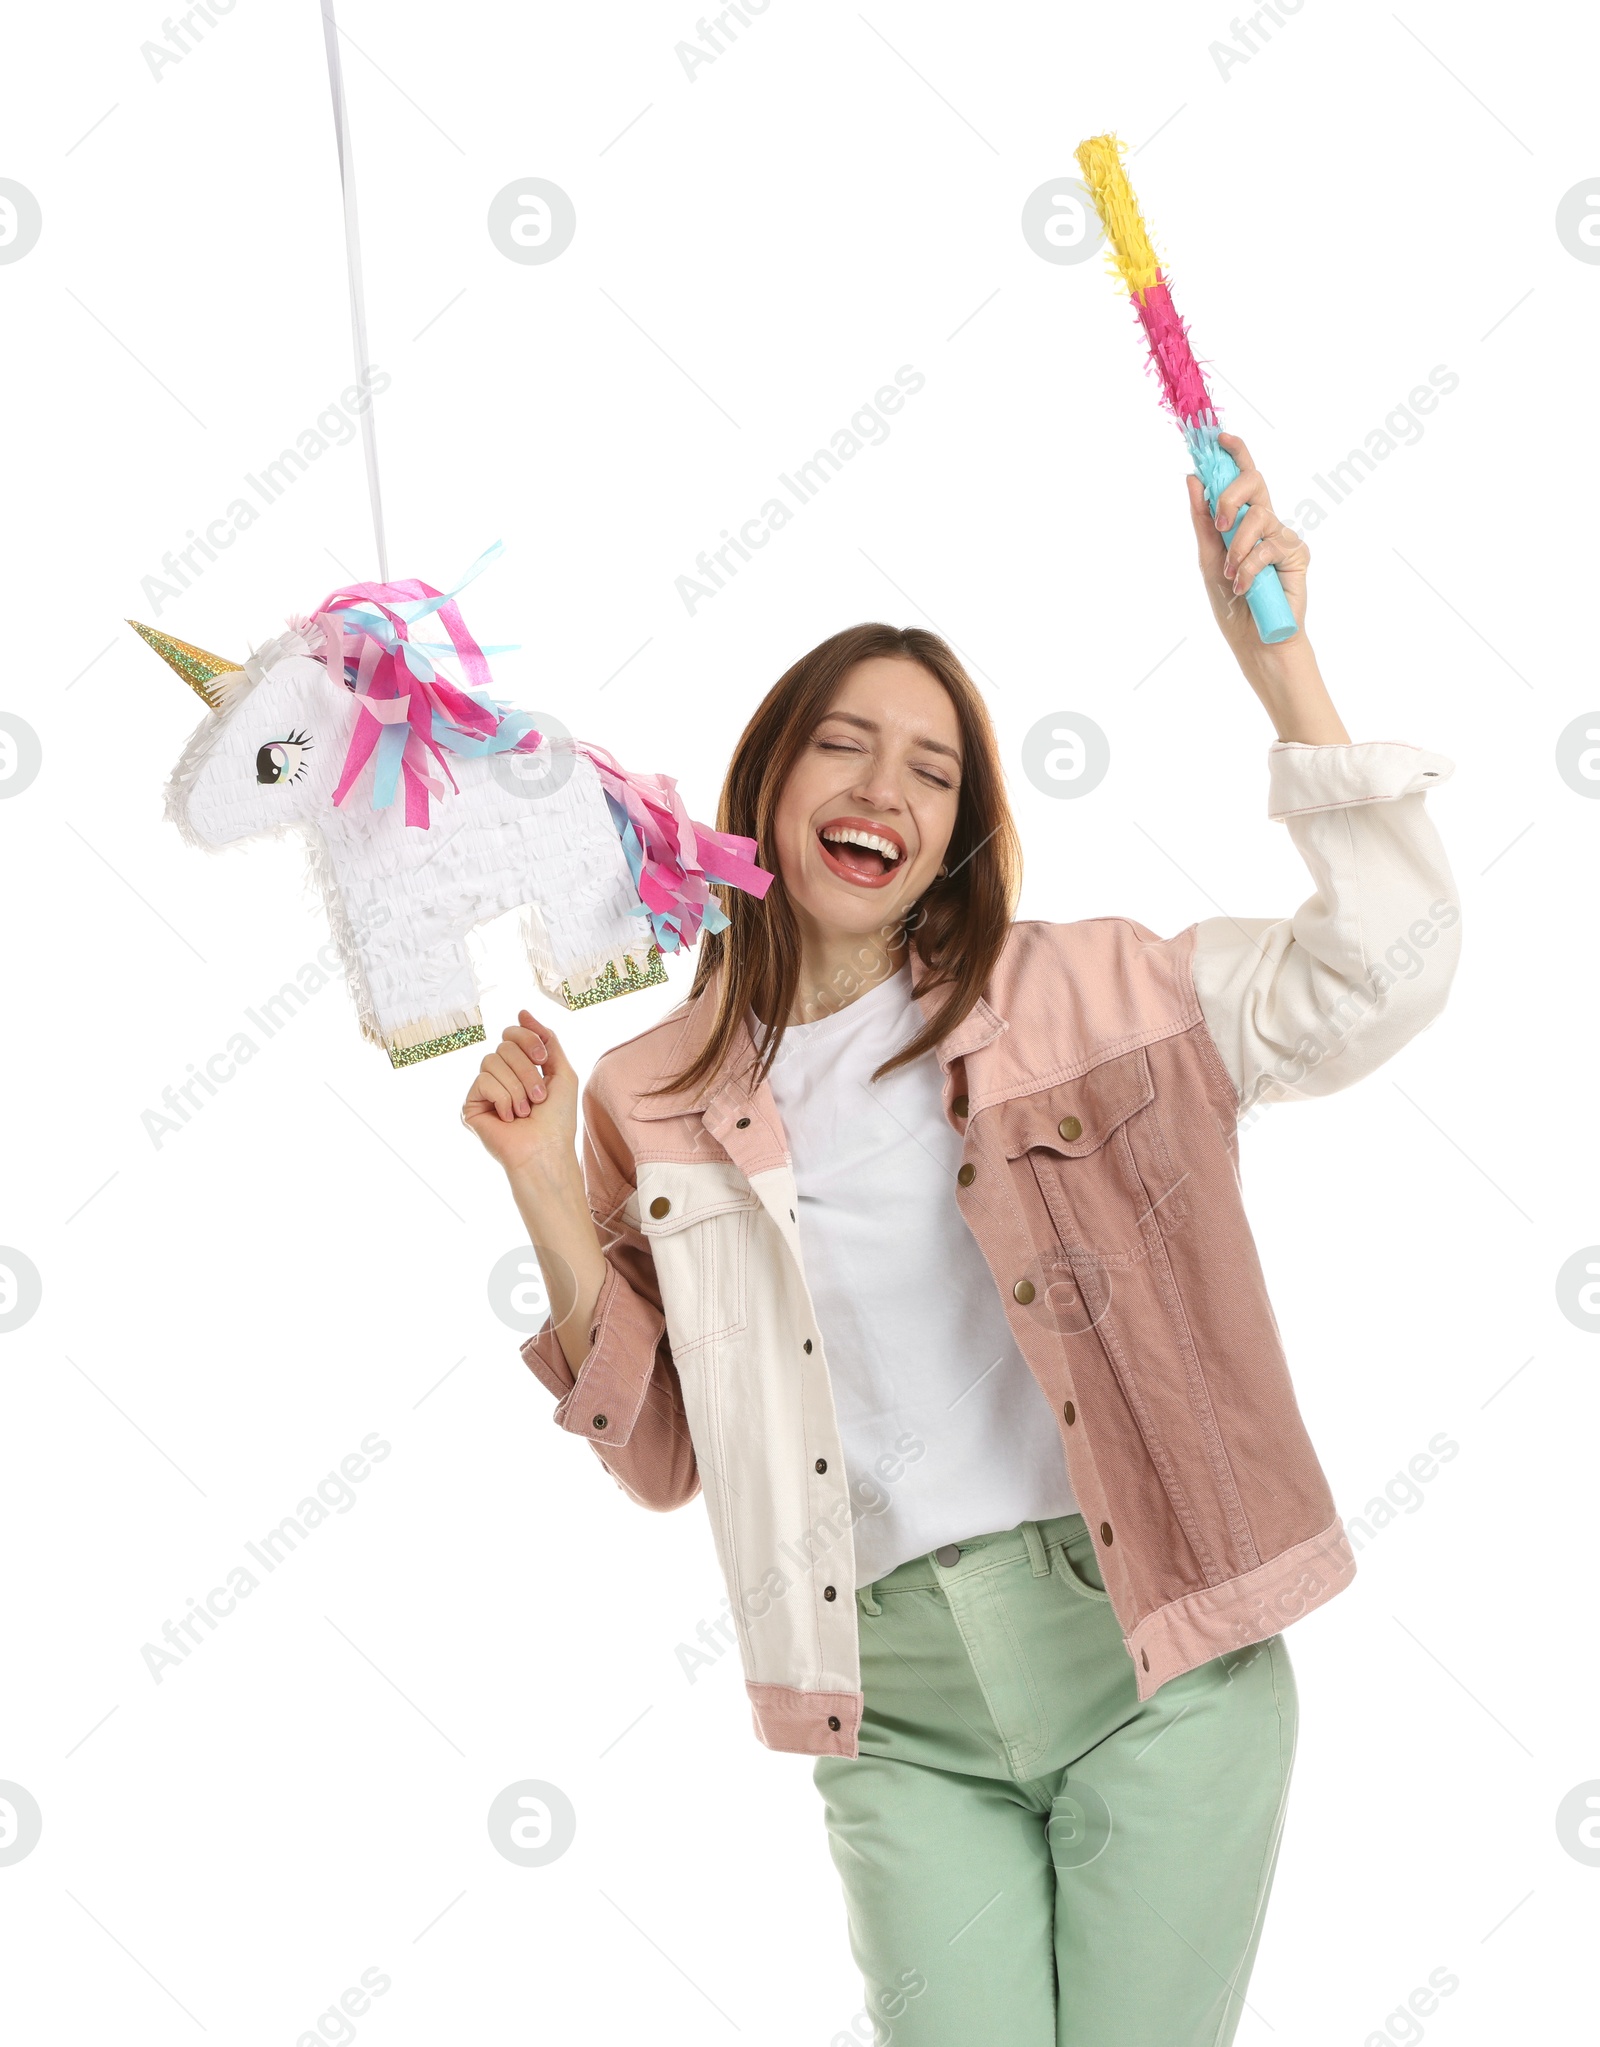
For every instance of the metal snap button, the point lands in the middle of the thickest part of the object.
(830, 1592)
(959, 1106)
(833, 1722)
(599, 1421)
(1069, 1411)
(822, 1464)
(806, 1346)
(1144, 1658)
(1023, 1291)
(1070, 1128)
(660, 1206)
(967, 1175)
(743, 1123)
(949, 1554)
(1105, 1533)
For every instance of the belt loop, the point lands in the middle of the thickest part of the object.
(1037, 1554)
(868, 1603)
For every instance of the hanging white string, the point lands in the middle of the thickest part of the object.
(352, 250)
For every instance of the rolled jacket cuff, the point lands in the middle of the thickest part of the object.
(1304, 778)
(544, 1357)
(604, 1400)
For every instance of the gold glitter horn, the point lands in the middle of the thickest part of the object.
(198, 668)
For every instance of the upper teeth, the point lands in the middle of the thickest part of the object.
(852, 835)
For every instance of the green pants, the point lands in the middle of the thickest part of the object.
(1030, 1857)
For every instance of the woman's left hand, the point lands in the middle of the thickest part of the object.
(1260, 540)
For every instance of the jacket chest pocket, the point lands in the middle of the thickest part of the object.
(697, 1221)
(1094, 1153)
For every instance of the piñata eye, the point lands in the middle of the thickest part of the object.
(283, 760)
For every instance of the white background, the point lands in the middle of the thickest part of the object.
(226, 1314)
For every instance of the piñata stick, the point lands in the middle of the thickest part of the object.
(1183, 384)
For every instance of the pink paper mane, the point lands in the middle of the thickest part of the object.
(409, 717)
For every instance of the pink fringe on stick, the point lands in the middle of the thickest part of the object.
(1183, 385)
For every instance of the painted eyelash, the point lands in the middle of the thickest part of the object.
(305, 742)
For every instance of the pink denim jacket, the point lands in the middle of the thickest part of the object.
(1098, 1086)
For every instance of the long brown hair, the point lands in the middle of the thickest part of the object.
(959, 926)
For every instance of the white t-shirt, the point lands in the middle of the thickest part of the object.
(945, 1429)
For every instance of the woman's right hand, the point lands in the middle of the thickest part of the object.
(524, 1100)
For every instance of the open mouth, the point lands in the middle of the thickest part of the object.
(864, 854)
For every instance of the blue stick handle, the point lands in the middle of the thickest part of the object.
(1216, 469)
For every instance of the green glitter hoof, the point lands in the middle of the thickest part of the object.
(430, 1048)
(651, 975)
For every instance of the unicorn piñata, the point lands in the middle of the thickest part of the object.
(344, 729)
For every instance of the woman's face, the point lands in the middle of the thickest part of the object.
(867, 811)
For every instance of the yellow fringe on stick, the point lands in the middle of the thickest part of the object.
(1100, 160)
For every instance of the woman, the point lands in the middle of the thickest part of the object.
(914, 1240)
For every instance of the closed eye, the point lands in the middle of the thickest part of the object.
(933, 779)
